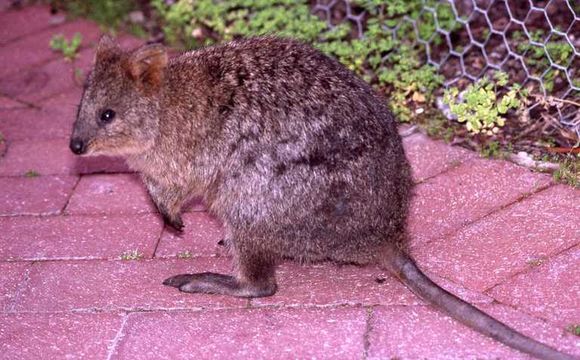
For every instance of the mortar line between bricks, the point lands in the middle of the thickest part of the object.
(525, 312)
(29, 66)
(60, 92)
(118, 337)
(27, 104)
(445, 171)
(528, 269)
(102, 259)
(466, 225)
(54, 55)
(158, 242)
(194, 309)
(367, 333)
(35, 32)
(29, 139)
(42, 103)
(21, 286)
(84, 215)
(521, 198)
(60, 174)
(62, 210)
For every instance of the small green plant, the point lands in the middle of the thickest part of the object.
(109, 13)
(131, 255)
(398, 73)
(68, 48)
(480, 107)
(560, 51)
(31, 174)
(78, 76)
(437, 126)
(492, 150)
(536, 261)
(388, 63)
(574, 329)
(407, 81)
(569, 171)
(540, 57)
(185, 20)
(186, 254)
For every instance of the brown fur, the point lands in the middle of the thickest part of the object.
(295, 155)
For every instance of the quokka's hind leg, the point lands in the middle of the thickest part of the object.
(256, 279)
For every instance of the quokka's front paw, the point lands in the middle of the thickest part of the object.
(174, 222)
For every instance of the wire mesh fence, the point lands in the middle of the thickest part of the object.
(537, 43)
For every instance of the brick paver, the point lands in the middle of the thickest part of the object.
(11, 281)
(7, 103)
(53, 157)
(201, 237)
(34, 50)
(448, 202)
(27, 123)
(495, 234)
(429, 158)
(43, 81)
(557, 302)
(110, 194)
(424, 333)
(58, 336)
(46, 195)
(246, 334)
(19, 23)
(117, 285)
(65, 237)
(507, 242)
(46, 80)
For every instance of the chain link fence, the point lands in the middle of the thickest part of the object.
(537, 43)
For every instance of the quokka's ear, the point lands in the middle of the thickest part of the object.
(146, 65)
(107, 50)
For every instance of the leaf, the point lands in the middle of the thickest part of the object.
(418, 97)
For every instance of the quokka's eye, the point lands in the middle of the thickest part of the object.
(107, 116)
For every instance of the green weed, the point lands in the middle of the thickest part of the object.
(186, 254)
(569, 171)
(68, 48)
(574, 329)
(109, 13)
(131, 255)
(31, 174)
(536, 261)
(480, 107)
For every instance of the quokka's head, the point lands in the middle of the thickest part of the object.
(118, 113)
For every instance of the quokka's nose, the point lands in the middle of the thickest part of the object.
(77, 146)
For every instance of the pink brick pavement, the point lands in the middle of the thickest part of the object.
(498, 235)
